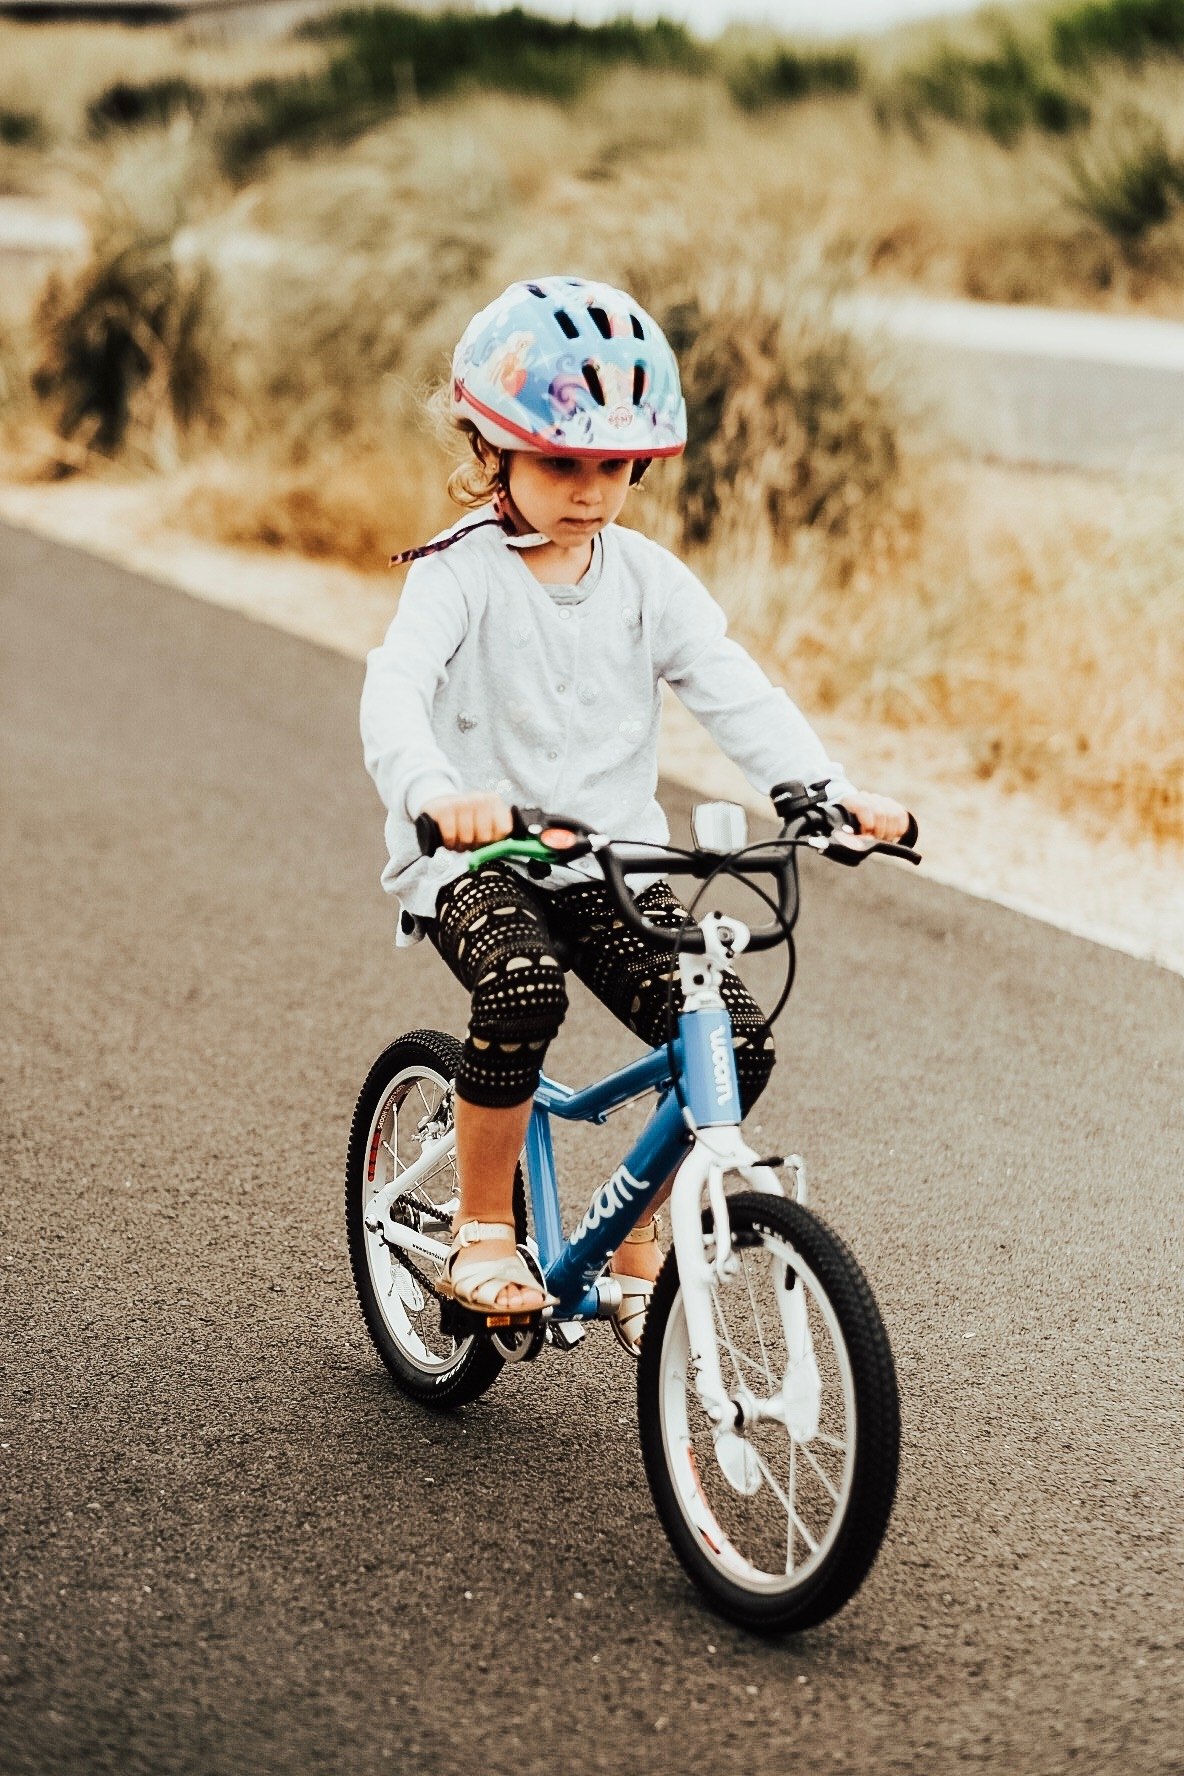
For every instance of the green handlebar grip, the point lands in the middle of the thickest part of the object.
(511, 848)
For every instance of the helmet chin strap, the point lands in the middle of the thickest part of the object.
(508, 516)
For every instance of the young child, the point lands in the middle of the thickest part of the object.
(523, 666)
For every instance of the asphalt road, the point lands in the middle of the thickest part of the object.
(228, 1545)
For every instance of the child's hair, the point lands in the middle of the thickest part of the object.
(473, 482)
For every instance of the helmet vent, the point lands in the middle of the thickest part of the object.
(638, 383)
(592, 378)
(535, 291)
(566, 324)
(603, 325)
(638, 329)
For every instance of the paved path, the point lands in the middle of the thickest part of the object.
(226, 1545)
(1040, 385)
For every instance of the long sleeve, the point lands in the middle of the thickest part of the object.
(752, 720)
(403, 677)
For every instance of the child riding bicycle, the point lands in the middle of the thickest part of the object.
(523, 666)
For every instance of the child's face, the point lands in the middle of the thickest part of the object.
(568, 499)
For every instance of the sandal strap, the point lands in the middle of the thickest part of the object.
(628, 1320)
(477, 1282)
(470, 1233)
(643, 1235)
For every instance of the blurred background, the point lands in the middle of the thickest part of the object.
(923, 267)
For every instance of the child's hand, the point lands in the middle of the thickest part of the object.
(469, 820)
(879, 816)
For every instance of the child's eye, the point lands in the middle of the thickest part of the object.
(614, 465)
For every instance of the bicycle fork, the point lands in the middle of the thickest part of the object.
(795, 1397)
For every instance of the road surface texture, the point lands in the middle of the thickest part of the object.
(228, 1545)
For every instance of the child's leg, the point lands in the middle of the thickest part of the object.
(490, 931)
(488, 1143)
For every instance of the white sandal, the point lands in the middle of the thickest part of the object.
(628, 1320)
(477, 1283)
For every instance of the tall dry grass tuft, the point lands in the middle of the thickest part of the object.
(129, 359)
(789, 428)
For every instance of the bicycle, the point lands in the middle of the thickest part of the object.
(767, 1401)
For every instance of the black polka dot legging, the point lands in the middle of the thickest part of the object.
(497, 932)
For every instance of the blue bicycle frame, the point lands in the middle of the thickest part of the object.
(706, 1078)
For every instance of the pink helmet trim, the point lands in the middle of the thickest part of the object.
(544, 447)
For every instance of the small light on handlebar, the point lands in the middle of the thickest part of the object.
(557, 838)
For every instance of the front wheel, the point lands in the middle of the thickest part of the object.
(790, 1538)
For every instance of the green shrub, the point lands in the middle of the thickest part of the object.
(385, 59)
(791, 74)
(1127, 29)
(126, 354)
(1003, 91)
(130, 105)
(21, 129)
(1133, 185)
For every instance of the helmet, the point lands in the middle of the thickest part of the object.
(561, 366)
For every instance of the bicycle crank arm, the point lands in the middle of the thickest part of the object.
(395, 1233)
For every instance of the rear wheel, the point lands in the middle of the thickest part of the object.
(407, 1102)
(791, 1537)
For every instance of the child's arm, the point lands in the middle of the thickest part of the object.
(403, 676)
(752, 720)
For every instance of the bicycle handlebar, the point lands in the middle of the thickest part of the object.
(558, 838)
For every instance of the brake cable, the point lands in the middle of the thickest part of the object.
(786, 923)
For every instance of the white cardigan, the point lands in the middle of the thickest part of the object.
(489, 680)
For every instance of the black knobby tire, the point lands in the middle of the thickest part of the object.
(773, 1230)
(449, 1373)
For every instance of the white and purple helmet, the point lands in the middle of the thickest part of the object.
(564, 367)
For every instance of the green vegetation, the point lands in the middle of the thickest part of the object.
(130, 105)
(789, 75)
(126, 356)
(386, 59)
(21, 129)
(1132, 185)
(1130, 30)
(1005, 89)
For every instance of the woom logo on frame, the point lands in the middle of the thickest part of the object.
(720, 1067)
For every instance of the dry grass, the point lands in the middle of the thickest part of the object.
(1037, 617)
(56, 71)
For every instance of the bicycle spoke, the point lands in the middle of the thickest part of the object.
(756, 1318)
(809, 1455)
(792, 1487)
(725, 1333)
(775, 1487)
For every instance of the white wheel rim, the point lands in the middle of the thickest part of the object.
(389, 1278)
(806, 1491)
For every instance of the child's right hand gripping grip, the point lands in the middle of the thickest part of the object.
(429, 835)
